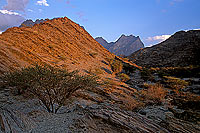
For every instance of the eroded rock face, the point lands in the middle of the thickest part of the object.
(165, 118)
(126, 121)
(181, 49)
(125, 45)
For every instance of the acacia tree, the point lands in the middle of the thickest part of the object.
(52, 86)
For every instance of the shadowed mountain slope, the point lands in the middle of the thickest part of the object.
(125, 45)
(58, 42)
(181, 49)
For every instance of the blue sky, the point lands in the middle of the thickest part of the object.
(152, 20)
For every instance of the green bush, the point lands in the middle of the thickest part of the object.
(52, 86)
(123, 77)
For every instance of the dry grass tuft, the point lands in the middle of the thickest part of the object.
(176, 84)
(154, 92)
(123, 77)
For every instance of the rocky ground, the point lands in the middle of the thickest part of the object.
(19, 115)
(104, 110)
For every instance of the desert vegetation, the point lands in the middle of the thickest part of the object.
(176, 84)
(116, 66)
(123, 77)
(95, 71)
(154, 93)
(52, 86)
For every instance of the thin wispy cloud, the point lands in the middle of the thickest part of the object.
(42, 3)
(192, 29)
(30, 10)
(81, 16)
(9, 12)
(150, 41)
(40, 10)
(68, 2)
(158, 38)
(69, 5)
(175, 1)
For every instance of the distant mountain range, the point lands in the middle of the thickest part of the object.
(30, 23)
(125, 45)
(181, 49)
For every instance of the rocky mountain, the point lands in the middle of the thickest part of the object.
(181, 49)
(30, 23)
(125, 45)
(59, 42)
(103, 42)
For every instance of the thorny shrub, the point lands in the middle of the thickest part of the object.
(52, 86)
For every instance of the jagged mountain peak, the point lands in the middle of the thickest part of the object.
(30, 23)
(123, 35)
(100, 38)
(127, 38)
(125, 45)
